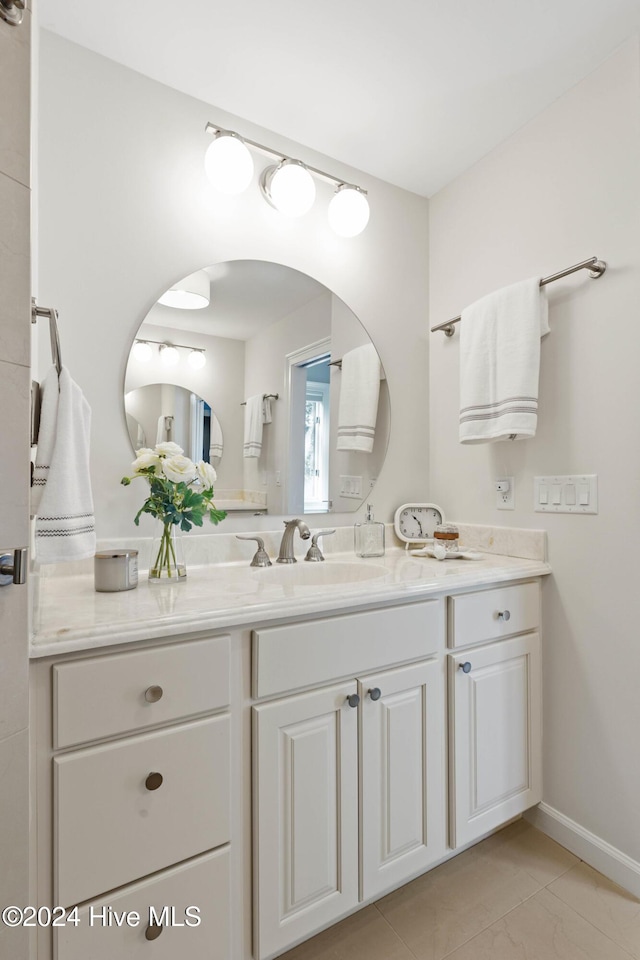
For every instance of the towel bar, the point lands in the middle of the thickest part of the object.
(595, 267)
(52, 314)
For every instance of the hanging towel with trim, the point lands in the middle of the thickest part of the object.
(61, 496)
(253, 418)
(500, 363)
(359, 393)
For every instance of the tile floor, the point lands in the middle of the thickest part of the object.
(516, 896)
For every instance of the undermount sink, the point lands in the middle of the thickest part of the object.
(321, 574)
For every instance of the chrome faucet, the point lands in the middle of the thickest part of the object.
(286, 545)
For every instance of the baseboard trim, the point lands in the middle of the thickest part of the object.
(610, 861)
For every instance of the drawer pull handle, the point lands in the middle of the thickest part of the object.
(375, 693)
(465, 667)
(153, 694)
(153, 781)
(504, 615)
(353, 700)
(153, 931)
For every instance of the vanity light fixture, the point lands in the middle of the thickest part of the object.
(192, 293)
(228, 162)
(348, 211)
(169, 353)
(287, 185)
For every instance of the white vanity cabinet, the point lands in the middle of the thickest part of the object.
(349, 779)
(132, 767)
(495, 708)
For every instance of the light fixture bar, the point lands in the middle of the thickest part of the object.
(213, 128)
(167, 343)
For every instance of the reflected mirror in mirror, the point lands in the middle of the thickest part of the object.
(163, 411)
(291, 374)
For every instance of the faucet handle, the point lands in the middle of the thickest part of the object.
(261, 557)
(314, 553)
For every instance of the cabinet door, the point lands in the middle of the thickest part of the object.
(305, 815)
(495, 744)
(402, 801)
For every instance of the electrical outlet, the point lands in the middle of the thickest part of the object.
(505, 493)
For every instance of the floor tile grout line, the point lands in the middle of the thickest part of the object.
(616, 943)
(394, 931)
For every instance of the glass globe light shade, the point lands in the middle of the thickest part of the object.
(196, 359)
(228, 164)
(291, 188)
(169, 355)
(142, 351)
(348, 211)
(191, 293)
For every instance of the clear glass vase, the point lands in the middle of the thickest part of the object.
(167, 555)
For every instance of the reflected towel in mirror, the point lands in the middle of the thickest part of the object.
(359, 392)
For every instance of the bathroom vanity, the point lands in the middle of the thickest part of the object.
(275, 748)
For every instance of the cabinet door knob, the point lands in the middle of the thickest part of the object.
(465, 667)
(353, 700)
(375, 693)
(153, 931)
(153, 694)
(153, 781)
(504, 615)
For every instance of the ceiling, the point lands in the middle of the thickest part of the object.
(411, 91)
(247, 296)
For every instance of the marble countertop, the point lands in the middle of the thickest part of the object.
(69, 615)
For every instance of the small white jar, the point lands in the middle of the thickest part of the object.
(115, 570)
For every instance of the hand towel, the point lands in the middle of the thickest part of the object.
(359, 392)
(500, 363)
(164, 430)
(267, 413)
(253, 413)
(216, 443)
(62, 501)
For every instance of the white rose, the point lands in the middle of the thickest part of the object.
(145, 458)
(179, 469)
(206, 474)
(168, 449)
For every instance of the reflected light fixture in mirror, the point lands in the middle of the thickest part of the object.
(169, 355)
(142, 351)
(288, 185)
(228, 163)
(196, 359)
(192, 293)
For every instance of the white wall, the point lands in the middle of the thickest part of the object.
(125, 211)
(565, 187)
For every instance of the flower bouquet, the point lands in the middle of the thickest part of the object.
(181, 495)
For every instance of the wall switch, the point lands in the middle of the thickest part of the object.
(351, 487)
(574, 494)
(505, 493)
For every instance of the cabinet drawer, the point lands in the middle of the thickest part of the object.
(492, 614)
(305, 654)
(203, 883)
(111, 827)
(108, 696)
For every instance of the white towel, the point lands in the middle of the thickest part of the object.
(500, 363)
(216, 443)
(253, 418)
(164, 430)
(61, 496)
(359, 392)
(267, 415)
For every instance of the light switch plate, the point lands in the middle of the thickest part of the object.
(566, 494)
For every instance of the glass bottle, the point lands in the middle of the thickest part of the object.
(369, 536)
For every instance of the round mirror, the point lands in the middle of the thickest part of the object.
(163, 411)
(289, 372)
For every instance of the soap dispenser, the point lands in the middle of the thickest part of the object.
(369, 536)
